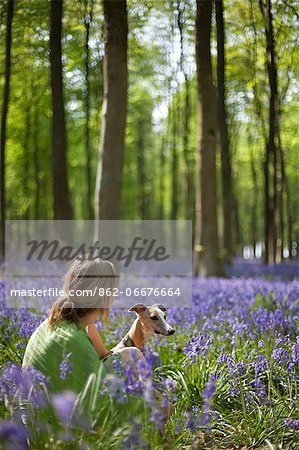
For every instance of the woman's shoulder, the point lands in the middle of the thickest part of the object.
(70, 332)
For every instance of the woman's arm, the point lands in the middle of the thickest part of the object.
(98, 344)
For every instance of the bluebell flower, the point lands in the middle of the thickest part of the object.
(65, 367)
(64, 404)
(198, 345)
(293, 424)
(14, 436)
(21, 384)
(280, 355)
(295, 351)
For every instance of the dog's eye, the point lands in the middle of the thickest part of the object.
(154, 318)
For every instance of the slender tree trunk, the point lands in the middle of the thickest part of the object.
(62, 204)
(111, 150)
(206, 250)
(141, 170)
(10, 10)
(253, 225)
(272, 165)
(87, 23)
(227, 194)
(162, 178)
(239, 237)
(27, 136)
(174, 167)
(279, 202)
(186, 131)
(289, 214)
(36, 164)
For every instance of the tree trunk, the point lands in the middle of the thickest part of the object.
(141, 170)
(289, 214)
(279, 202)
(87, 23)
(226, 173)
(27, 135)
(253, 225)
(36, 164)
(272, 167)
(186, 131)
(162, 179)
(174, 166)
(10, 9)
(62, 204)
(111, 150)
(206, 249)
(188, 173)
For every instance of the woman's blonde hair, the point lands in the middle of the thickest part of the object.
(88, 287)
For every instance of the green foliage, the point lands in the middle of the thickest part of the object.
(159, 60)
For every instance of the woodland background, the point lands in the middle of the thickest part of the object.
(155, 110)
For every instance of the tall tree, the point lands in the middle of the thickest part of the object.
(226, 172)
(87, 24)
(143, 196)
(162, 178)
(188, 175)
(111, 150)
(10, 10)
(272, 165)
(206, 248)
(62, 204)
(174, 163)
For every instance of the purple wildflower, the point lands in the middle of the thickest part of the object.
(64, 404)
(198, 345)
(65, 366)
(23, 383)
(280, 355)
(295, 351)
(14, 435)
(260, 364)
(293, 424)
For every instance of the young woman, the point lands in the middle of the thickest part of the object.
(67, 346)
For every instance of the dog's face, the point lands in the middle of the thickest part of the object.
(153, 318)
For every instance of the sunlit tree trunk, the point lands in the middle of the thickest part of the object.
(62, 204)
(87, 22)
(27, 136)
(272, 165)
(253, 221)
(36, 161)
(174, 165)
(5, 103)
(279, 202)
(206, 249)
(141, 170)
(111, 150)
(289, 215)
(227, 192)
(186, 128)
(162, 179)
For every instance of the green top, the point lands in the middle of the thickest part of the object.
(64, 354)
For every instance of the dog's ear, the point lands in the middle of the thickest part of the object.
(140, 308)
(160, 306)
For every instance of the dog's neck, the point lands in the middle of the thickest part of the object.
(138, 334)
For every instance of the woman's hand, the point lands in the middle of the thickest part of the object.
(98, 344)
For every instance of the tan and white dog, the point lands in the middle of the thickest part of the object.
(150, 320)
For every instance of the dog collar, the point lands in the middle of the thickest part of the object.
(128, 342)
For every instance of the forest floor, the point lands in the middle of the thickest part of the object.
(230, 371)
